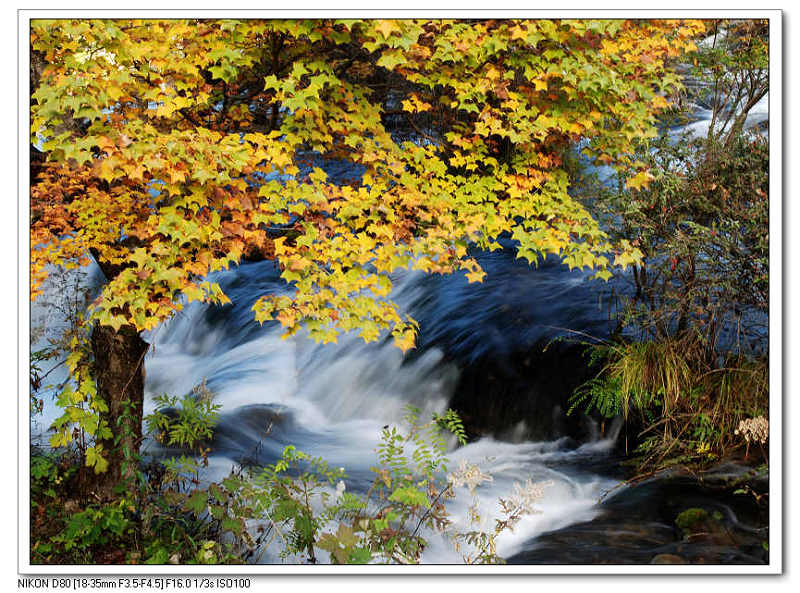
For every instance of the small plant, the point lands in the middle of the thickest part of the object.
(687, 407)
(599, 394)
(191, 422)
(753, 430)
(48, 474)
(100, 526)
(704, 431)
(402, 507)
(519, 504)
(285, 493)
(689, 519)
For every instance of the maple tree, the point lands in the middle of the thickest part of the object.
(177, 147)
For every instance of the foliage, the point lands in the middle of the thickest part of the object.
(699, 298)
(284, 492)
(47, 473)
(639, 375)
(37, 375)
(96, 526)
(513, 509)
(146, 526)
(291, 503)
(735, 66)
(702, 224)
(68, 343)
(451, 422)
(409, 489)
(192, 421)
(161, 517)
(703, 228)
(50, 340)
(687, 408)
(176, 147)
(292, 497)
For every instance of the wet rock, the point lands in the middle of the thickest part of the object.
(698, 525)
(690, 518)
(668, 559)
(526, 394)
(671, 515)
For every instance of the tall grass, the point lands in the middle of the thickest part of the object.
(687, 406)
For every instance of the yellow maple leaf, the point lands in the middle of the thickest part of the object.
(386, 27)
(106, 144)
(641, 179)
(287, 317)
(106, 169)
(405, 341)
(659, 102)
(475, 276)
(518, 32)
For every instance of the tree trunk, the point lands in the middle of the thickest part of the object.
(119, 364)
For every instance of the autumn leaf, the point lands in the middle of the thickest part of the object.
(475, 276)
(386, 27)
(195, 149)
(640, 180)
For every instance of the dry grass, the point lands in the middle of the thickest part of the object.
(689, 406)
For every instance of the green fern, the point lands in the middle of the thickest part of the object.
(600, 394)
(451, 422)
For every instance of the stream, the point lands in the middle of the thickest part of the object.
(481, 348)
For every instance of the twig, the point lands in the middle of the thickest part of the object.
(428, 512)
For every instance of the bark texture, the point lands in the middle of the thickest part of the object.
(119, 358)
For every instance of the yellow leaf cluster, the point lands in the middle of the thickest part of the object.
(204, 142)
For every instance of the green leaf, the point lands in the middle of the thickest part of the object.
(410, 496)
(359, 556)
(216, 492)
(233, 524)
(196, 502)
(391, 58)
(95, 459)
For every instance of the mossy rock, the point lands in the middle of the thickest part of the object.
(691, 518)
(698, 525)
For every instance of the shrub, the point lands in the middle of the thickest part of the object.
(299, 503)
(688, 409)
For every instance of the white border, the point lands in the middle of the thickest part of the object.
(776, 399)
(776, 282)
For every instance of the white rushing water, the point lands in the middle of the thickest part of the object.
(339, 396)
(65, 294)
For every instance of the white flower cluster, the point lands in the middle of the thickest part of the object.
(524, 497)
(754, 429)
(470, 476)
